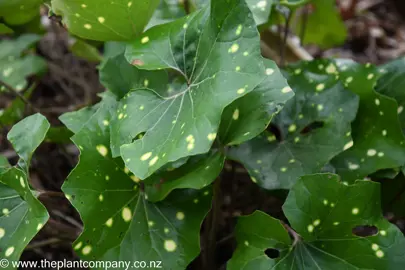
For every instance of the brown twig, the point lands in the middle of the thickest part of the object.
(209, 258)
(293, 234)
(43, 243)
(18, 94)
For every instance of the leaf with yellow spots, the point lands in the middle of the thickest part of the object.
(378, 141)
(312, 128)
(119, 222)
(205, 48)
(250, 115)
(21, 213)
(15, 67)
(105, 20)
(390, 83)
(323, 227)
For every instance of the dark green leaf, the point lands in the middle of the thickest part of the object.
(105, 20)
(312, 128)
(392, 82)
(324, 224)
(377, 136)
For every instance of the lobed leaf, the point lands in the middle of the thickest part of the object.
(119, 222)
(378, 142)
(313, 127)
(217, 52)
(324, 224)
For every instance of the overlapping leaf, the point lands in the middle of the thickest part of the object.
(323, 223)
(119, 222)
(104, 19)
(313, 127)
(217, 52)
(199, 172)
(377, 136)
(14, 68)
(248, 116)
(22, 215)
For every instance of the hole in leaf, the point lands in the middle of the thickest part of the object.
(272, 253)
(138, 137)
(365, 230)
(312, 126)
(275, 131)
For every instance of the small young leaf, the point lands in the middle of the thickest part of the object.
(105, 20)
(313, 127)
(218, 54)
(36, 126)
(377, 136)
(324, 226)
